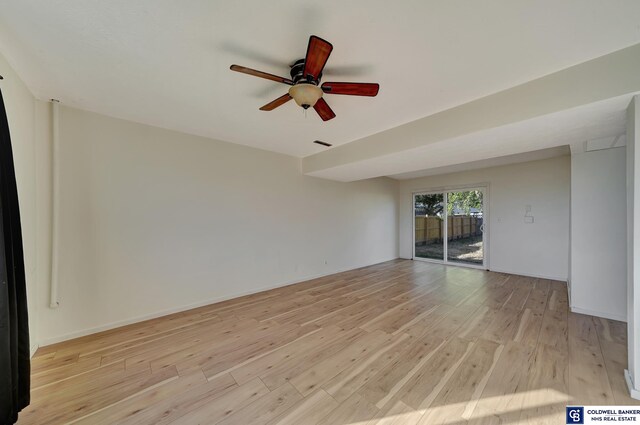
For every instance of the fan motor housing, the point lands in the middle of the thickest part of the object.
(297, 71)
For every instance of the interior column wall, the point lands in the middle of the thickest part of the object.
(598, 233)
(633, 247)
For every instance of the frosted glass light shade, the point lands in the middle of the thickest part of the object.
(305, 94)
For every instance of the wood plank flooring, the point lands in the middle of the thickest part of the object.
(402, 342)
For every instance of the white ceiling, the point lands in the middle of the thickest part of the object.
(166, 62)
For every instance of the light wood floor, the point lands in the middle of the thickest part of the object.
(402, 342)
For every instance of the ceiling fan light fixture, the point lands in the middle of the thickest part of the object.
(305, 79)
(305, 94)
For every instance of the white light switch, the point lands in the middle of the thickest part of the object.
(528, 217)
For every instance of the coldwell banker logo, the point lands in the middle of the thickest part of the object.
(575, 415)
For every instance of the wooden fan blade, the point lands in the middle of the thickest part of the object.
(318, 52)
(261, 74)
(278, 102)
(323, 109)
(353, 89)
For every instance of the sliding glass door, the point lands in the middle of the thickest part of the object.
(429, 226)
(465, 214)
(449, 226)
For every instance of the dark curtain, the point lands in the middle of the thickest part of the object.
(14, 329)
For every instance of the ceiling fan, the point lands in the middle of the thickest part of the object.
(305, 79)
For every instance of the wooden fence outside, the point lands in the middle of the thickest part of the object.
(429, 229)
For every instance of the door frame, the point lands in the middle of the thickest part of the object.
(484, 188)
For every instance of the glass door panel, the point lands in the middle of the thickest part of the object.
(465, 241)
(429, 226)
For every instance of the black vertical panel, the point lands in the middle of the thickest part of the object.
(14, 327)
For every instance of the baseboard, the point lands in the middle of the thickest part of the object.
(632, 391)
(610, 316)
(33, 350)
(539, 276)
(112, 325)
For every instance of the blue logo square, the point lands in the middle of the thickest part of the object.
(575, 415)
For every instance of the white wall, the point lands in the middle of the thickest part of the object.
(153, 221)
(633, 247)
(540, 249)
(598, 233)
(29, 153)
